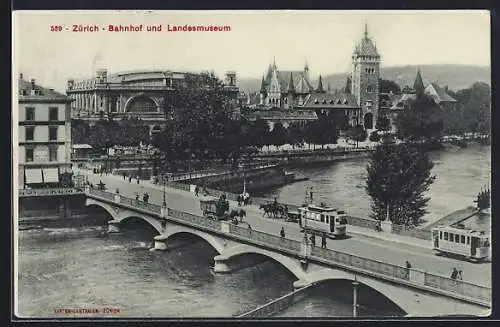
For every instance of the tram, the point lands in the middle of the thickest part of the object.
(322, 219)
(471, 244)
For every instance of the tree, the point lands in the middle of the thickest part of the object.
(387, 86)
(357, 133)
(278, 135)
(421, 120)
(296, 133)
(374, 137)
(383, 123)
(398, 177)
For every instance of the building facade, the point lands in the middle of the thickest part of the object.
(293, 90)
(142, 94)
(44, 149)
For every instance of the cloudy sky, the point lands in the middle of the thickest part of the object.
(324, 38)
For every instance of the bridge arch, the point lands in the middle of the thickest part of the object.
(376, 285)
(155, 223)
(216, 243)
(107, 208)
(290, 264)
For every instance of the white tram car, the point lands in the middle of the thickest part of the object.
(474, 245)
(322, 219)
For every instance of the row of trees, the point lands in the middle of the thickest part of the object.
(105, 133)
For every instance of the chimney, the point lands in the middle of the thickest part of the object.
(32, 83)
(21, 76)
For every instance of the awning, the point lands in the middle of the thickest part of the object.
(33, 176)
(51, 175)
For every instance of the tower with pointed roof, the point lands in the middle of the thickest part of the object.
(365, 79)
(418, 85)
(290, 93)
(306, 71)
(320, 89)
(263, 91)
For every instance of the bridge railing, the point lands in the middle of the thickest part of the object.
(362, 263)
(101, 194)
(458, 286)
(150, 207)
(194, 219)
(265, 238)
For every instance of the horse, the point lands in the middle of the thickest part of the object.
(268, 209)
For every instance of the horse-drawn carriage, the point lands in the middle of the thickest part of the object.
(218, 209)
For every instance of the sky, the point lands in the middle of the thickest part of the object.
(325, 39)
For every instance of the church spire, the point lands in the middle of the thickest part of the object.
(291, 88)
(320, 86)
(418, 86)
(274, 61)
(263, 86)
(366, 30)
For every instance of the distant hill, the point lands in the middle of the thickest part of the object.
(455, 76)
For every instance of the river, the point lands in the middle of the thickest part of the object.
(75, 268)
(460, 175)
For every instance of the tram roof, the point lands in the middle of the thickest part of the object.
(460, 230)
(320, 208)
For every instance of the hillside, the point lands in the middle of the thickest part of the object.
(455, 76)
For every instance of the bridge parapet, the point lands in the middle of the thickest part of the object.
(412, 278)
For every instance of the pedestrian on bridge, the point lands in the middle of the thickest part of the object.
(313, 240)
(282, 232)
(124, 176)
(454, 273)
(323, 241)
(408, 267)
(130, 179)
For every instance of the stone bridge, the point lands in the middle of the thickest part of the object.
(415, 292)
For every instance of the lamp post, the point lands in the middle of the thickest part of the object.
(355, 297)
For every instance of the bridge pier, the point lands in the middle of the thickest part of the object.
(221, 265)
(114, 227)
(160, 243)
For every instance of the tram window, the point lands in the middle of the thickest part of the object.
(457, 238)
(450, 237)
(326, 219)
(322, 218)
(440, 234)
(468, 240)
(462, 239)
(446, 236)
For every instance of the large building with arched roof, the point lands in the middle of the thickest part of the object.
(142, 94)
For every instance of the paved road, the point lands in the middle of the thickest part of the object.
(389, 252)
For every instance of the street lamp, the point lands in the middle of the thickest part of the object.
(355, 297)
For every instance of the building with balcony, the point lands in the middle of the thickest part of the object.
(44, 150)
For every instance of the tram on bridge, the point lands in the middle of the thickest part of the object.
(471, 244)
(323, 219)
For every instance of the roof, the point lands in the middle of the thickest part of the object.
(285, 114)
(439, 93)
(340, 100)
(400, 101)
(297, 75)
(366, 48)
(41, 93)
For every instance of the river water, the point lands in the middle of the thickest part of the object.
(75, 268)
(460, 175)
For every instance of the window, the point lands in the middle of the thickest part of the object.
(52, 133)
(369, 103)
(440, 234)
(30, 133)
(322, 218)
(326, 219)
(446, 237)
(457, 238)
(468, 240)
(30, 113)
(53, 153)
(462, 239)
(369, 89)
(53, 113)
(29, 155)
